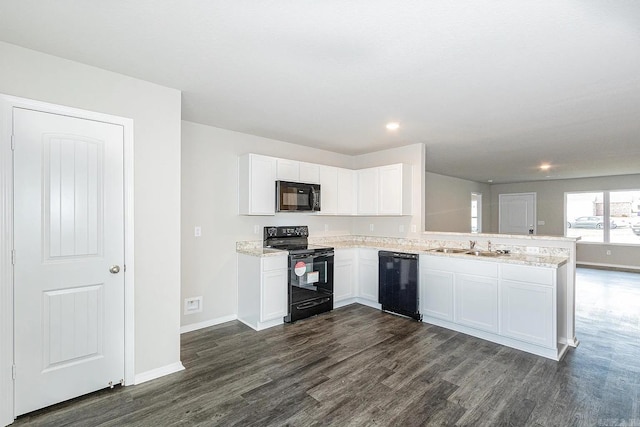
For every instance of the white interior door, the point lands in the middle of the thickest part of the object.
(68, 234)
(517, 213)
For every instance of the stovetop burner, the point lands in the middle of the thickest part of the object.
(292, 239)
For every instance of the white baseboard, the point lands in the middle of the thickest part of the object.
(201, 325)
(611, 266)
(369, 303)
(158, 372)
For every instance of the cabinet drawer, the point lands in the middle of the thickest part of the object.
(274, 263)
(466, 265)
(523, 273)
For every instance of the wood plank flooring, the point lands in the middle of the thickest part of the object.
(357, 366)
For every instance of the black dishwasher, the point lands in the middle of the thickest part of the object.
(398, 283)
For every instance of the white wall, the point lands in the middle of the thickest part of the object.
(156, 113)
(210, 200)
(448, 203)
(550, 209)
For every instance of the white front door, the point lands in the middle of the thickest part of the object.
(68, 235)
(517, 213)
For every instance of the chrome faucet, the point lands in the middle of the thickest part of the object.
(472, 244)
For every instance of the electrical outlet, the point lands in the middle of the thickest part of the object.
(370, 227)
(414, 228)
(608, 252)
(192, 305)
(256, 229)
(401, 228)
(533, 250)
(197, 231)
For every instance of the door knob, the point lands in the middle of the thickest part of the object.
(115, 269)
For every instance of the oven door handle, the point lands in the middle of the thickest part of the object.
(312, 256)
(310, 304)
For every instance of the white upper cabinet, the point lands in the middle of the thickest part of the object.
(256, 185)
(346, 191)
(368, 191)
(288, 170)
(394, 190)
(309, 173)
(385, 190)
(337, 187)
(328, 190)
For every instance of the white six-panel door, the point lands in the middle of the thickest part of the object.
(69, 244)
(517, 213)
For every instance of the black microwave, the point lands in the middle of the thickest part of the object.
(297, 197)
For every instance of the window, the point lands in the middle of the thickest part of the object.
(476, 212)
(605, 216)
(624, 207)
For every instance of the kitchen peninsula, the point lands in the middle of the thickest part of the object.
(523, 299)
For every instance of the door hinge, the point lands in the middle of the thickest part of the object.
(13, 142)
(13, 371)
(13, 257)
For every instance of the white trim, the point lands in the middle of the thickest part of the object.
(344, 302)
(7, 103)
(599, 264)
(6, 266)
(369, 303)
(207, 323)
(158, 372)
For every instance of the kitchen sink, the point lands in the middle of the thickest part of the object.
(482, 253)
(450, 250)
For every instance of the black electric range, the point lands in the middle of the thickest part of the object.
(310, 273)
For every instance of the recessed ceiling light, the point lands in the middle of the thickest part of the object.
(393, 125)
(545, 166)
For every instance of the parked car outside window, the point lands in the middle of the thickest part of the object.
(592, 222)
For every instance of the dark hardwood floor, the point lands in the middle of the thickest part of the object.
(358, 366)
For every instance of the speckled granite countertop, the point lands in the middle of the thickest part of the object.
(549, 257)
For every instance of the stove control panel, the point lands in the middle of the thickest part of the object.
(286, 231)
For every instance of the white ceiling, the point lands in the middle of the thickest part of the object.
(493, 88)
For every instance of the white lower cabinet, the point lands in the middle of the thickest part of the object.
(511, 304)
(344, 276)
(368, 276)
(262, 290)
(437, 294)
(528, 304)
(476, 302)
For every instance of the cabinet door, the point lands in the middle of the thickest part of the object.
(328, 190)
(437, 294)
(368, 274)
(368, 191)
(395, 190)
(390, 191)
(527, 312)
(288, 170)
(476, 302)
(273, 301)
(256, 185)
(309, 173)
(344, 274)
(346, 191)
